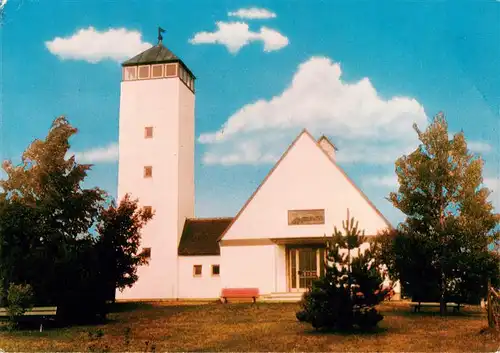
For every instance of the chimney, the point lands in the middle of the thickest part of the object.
(327, 146)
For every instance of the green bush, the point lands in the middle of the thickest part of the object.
(345, 297)
(20, 298)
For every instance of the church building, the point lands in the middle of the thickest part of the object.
(276, 241)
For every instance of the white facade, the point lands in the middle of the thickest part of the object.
(249, 266)
(241, 270)
(205, 286)
(305, 178)
(263, 246)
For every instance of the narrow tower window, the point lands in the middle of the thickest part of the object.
(129, 73)
(148, 172)
(181, 73)
(146, 253)
(171, 70)
(148, 132)
(215, 270)
(157, 71)
(197, 271)
(144, 72)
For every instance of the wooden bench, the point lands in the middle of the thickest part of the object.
(240, 293)
(417, 306)
(41, 313)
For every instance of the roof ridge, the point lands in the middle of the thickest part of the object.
(207, 218)
(159, 45)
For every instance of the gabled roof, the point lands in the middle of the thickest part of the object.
(200, 236)
(304, 132)
(157, 54)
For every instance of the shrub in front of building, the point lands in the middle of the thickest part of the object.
(346, 296)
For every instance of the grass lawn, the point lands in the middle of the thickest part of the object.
(263, 327)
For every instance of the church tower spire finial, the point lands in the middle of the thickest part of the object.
(160, 37)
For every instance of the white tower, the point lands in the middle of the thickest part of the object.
(156, 162)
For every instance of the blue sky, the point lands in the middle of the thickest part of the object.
(360, 72)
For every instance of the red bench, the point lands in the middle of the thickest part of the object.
(240, 293)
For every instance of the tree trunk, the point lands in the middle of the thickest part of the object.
(491, 322)
(442, 302)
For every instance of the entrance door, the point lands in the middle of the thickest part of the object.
(305, 265)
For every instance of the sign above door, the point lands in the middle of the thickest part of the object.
(306, 217)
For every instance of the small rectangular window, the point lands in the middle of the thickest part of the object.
(148, 172)
(197, 271)
(129, 73)
(144, 72)
(157, 71)
(171, 70)
(146, 252)
(181, 73)
(215, 270)
(148, 132)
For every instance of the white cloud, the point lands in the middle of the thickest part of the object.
(253, 13)
(105, 154)
(479, 146)
(365, 128)
(236, 35)
(493, 184)
(93, 46)
(386, 181)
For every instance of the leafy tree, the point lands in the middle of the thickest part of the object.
(440, 250)
(53, 215)
(47, 240)
(348, 292)
(118, 245)
(20, 234)
(46, 179)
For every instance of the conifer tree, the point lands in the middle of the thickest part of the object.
(345, 297)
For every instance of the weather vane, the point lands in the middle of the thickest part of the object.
(160, 37)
